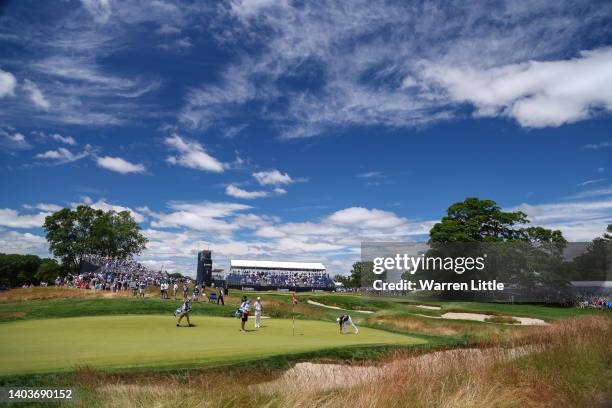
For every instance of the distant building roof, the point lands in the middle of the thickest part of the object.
(606, 284)
(242, 263)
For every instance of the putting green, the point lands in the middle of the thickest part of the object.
(136, 341)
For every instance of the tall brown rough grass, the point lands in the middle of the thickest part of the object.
(565, 364)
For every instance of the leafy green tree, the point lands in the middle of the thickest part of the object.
(15, 270)
(476, 220)
(49, 270)
(529, 256)
(72, 233)
(362, 275)
(596, 263)
(607, 236)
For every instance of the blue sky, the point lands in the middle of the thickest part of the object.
(294, 130)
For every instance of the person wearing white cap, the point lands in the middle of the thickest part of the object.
(258, 312)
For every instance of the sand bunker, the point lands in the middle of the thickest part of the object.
(480, 317)
(317, 377)
(429, 307)
(312, 302)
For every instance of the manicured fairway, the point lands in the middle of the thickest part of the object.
(131, 341)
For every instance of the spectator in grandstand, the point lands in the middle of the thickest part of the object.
(175, 289)
(258, 312)
(245, 307)
(183, 311)
(343, 321)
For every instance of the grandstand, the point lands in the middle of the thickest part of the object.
(274, 275)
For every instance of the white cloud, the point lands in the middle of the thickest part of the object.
(364, 66)
(100, 10)
(11, 218)
(46, 207)
(63, 155)
(168, 29)
(593, 181)
(69, 140)
(593, 193)
(13, 242)
(7, 84)
(365, 218)
(246, 9)
(237, 192)
(597, 146)
(578, 220)
(105, 206)
(272, 178)
(192, 155)
(535, 93)
(36, 96)
(370, 174)
(12, 140)
(206, 216)
(119, 165)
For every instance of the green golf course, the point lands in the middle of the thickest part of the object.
(147, 341)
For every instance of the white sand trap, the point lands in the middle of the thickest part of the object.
(429, 307)
(316, 377)
(479, 317)
(312, 302)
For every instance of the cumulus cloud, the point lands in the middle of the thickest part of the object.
(63, 155)
(578, 220)
(13, 140)
(366, 218)
(206, 216)
(535, 93)
(7, 84)
(237, 192)
(272, 178)
(44, 207)
(119, 165)
(36, 96)
(192, 154)
(11, 218)
(13, 242)
(69, 140)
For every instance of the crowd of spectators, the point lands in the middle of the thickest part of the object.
(285, 279)
(115, 275)
(594, 301)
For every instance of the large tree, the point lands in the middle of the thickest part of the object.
(595, 264)
(476, 220)
(15, 269)
(529, 256)
(72, 233)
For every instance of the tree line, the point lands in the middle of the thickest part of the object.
(72, 233)
(528, 255)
